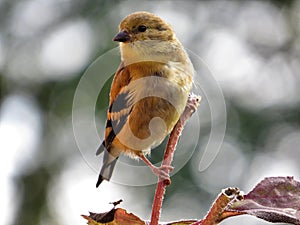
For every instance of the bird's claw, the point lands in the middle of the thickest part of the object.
(162, 172)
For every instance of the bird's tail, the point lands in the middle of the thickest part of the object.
(101, 148)
(109, 162)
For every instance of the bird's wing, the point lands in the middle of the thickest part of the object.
(119, 107)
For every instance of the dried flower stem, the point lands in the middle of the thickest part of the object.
(214, 216)
(190, 108)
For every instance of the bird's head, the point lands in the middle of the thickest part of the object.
(143, 26)
(144, 36)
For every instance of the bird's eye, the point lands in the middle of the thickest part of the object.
(142, 28)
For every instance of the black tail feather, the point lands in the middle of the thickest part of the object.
(101, 148)
(109, 163)
(100, 179)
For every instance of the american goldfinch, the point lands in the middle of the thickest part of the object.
(148, 93)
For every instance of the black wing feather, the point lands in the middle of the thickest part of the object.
(121, 106)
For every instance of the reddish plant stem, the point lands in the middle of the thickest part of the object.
(190, 108)
(214, 216)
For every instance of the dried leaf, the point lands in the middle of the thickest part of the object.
(113, 217)
(275, 199)
(181, 222)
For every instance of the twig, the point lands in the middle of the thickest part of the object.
(214, 216)
(190, 108)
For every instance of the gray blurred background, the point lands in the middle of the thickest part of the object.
(252, 49)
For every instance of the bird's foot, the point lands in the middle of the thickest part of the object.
(162, 173)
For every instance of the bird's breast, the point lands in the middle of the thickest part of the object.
(158, 95)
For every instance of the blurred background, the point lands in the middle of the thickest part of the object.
(252, 49)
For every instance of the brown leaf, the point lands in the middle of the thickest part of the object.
(113, 217)
(275, 199)
(181, 222)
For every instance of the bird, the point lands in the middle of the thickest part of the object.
(148, 93)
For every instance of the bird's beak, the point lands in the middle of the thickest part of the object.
(122, 36)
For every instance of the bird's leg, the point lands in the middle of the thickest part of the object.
(161, 172)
